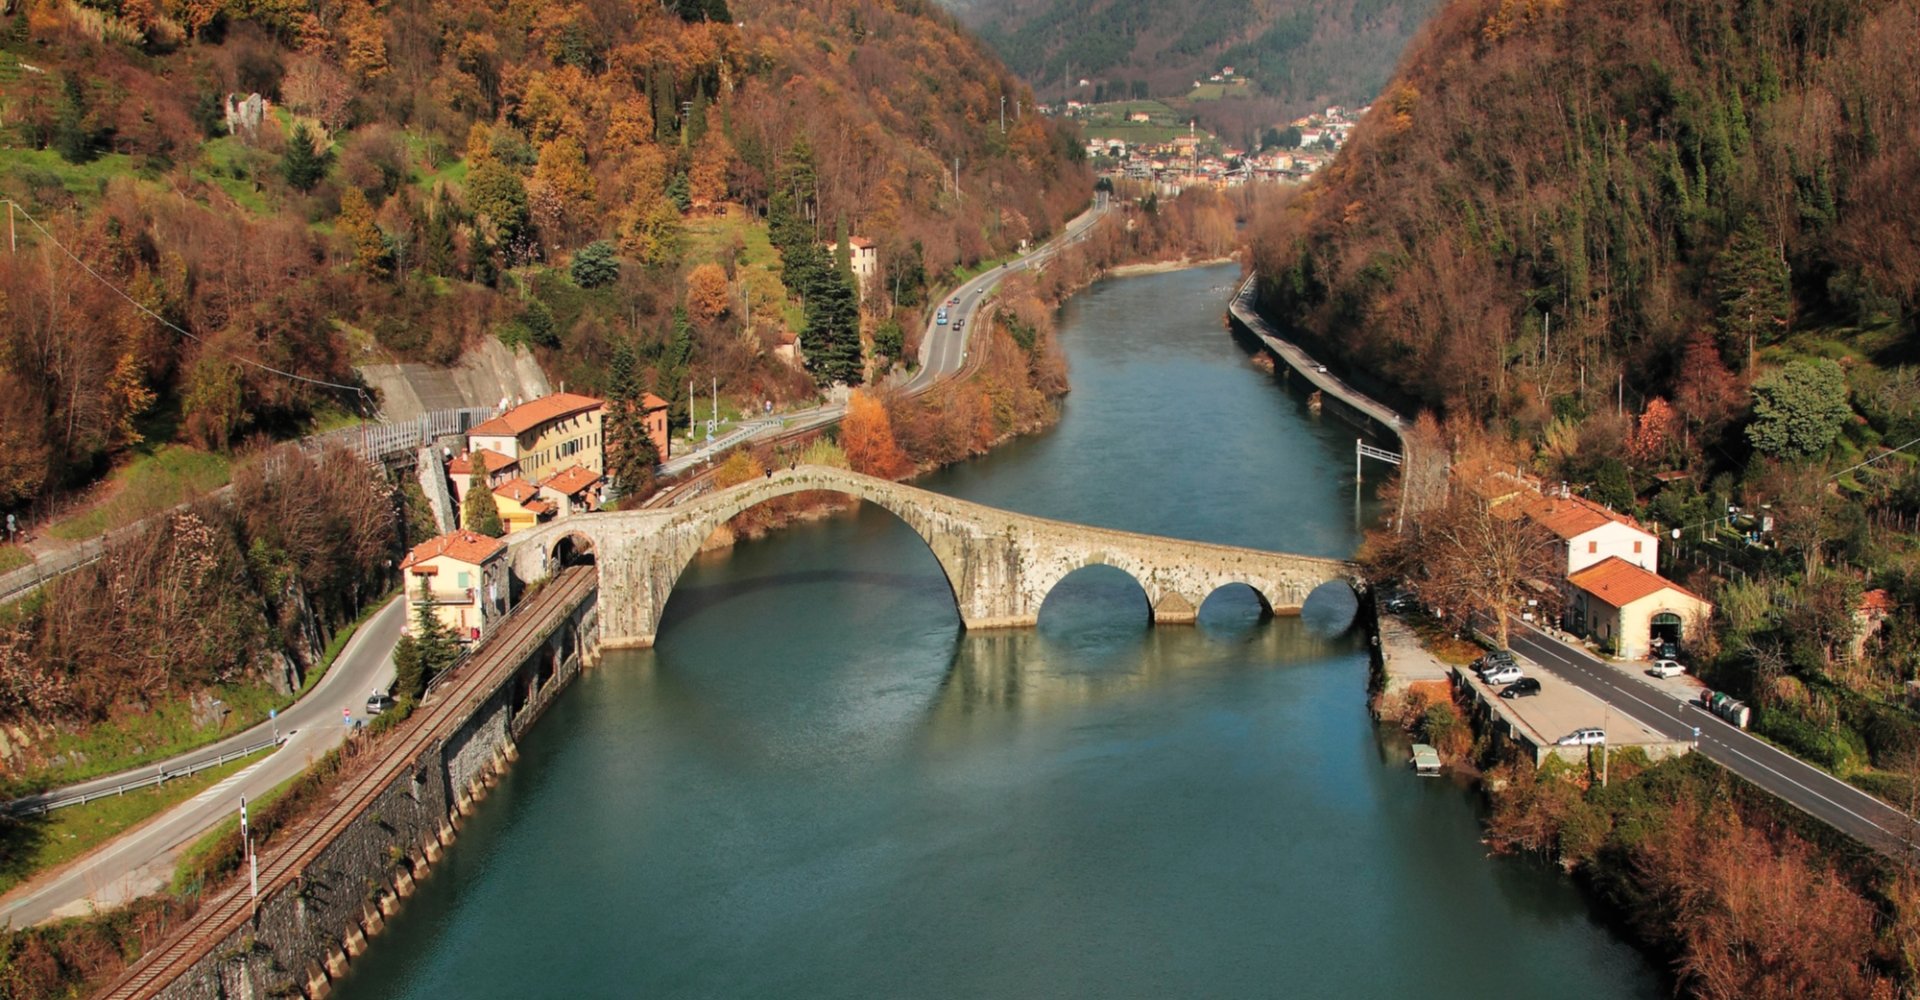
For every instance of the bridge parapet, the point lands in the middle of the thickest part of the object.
(999, 564)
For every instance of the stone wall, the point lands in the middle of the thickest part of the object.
(305, 935)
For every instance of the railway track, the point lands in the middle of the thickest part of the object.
(231, 909)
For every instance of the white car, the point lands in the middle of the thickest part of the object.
(1666, 668)
(1502, 675)
(1583, 738)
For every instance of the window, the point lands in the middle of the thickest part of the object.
(465, 580)
(1636, 548)
(1593, 547)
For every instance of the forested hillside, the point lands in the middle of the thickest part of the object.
(1300, 54)
(578, 176)
(1560, 208)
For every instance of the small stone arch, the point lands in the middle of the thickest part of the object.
(1230, 599)
(1042, 594)
(572, 548)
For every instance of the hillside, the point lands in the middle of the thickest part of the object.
(1559, 208)
(581, 177)
(1297, 54)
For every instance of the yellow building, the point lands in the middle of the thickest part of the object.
(465, 576)
(547, 435)
(1632, 610)
(521, 506)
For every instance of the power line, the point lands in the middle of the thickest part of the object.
(1833, 478)
(162, 320)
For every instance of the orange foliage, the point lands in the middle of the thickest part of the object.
(707, 293)
(866, 435)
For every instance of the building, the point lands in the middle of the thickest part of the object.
(521, 506)
(653, 416)
(500, 468)
(547, 434)
(465, 578)
(1629, 609)
(573, 489)
(863, 258)
(1589, 533)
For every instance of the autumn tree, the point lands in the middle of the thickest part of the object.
(707, 179)
(1652, 433)
(561, 194)
(1479, 558)
(866, 435)
(479, 512)
(707, 298)
(498, 200)
(364, 240)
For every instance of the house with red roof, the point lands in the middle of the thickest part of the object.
(546, 435)
(1591, 533)
(462, 576)
(575, 488)
(500, 468)
(521, 505)
(1631, 610)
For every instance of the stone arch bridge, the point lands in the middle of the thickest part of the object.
(1001, 565)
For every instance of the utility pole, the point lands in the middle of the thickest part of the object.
(1003, 114)
(14, 247)
(716, 408)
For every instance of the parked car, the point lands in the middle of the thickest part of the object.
(1521, 688)
(379, 702)
(1400, 604)
(1666, 668)
(1502, 675)
(1583, 738)
(1495, 660)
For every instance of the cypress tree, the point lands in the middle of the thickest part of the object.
(302, 165)
(479, 512)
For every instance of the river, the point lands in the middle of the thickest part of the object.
(817, 785)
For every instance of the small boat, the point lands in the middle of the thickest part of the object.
(1426, 760)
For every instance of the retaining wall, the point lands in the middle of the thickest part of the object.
(304, 936)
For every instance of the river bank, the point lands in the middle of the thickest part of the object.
(1164, 266)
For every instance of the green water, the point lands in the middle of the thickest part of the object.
(818, 786)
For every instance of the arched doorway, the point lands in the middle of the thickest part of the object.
(1665, 629)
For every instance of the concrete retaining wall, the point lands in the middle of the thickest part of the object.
(306, 935)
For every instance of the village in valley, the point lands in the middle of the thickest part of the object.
(1152, 141)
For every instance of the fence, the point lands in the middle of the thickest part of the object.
(373, 442)
(49, 801)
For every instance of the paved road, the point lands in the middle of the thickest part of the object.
(1242, 307)
(1812, 790)
(943, 353)
(142, 861)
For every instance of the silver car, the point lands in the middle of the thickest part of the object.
(1584, 738)
(1502, 675)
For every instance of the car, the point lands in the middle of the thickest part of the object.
(1400, 604)
(1666, 668)
(940, 318)
(1502, 675)
(1322, 369)
(379, 702)
(1521, 688)
(954, 301)
(1583, 738)
(1495, 660)
(959, 324)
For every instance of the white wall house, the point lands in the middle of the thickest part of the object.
(1590, 533)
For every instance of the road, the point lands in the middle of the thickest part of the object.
(1802, 785)
(943, 353)
(142, 861)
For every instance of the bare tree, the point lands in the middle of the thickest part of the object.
(1478, 558)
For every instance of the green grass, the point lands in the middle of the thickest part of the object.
(453, 174)
(29, 170)
(42, 843)
(234, 167)
(712, 238)
(13, 557)
(1135, 132)
(140, 738)
(185, 871)
(151, 483)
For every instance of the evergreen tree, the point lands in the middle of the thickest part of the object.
(435, 647)
(631, 452)
(831, 337)
(436, 244)
(75, 134)
(480, 512)
(409, 673)
(842, 246)
(1751, 284)
(594, 265)
(302, 165)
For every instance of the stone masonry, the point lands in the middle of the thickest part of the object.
(1001, 565)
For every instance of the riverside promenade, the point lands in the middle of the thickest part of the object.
(1244, 312)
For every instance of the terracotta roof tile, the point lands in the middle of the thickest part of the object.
(518, 490)
(462, 465)
(650, 402)
(570, 480)
(527, 416)
(465, 546)
(1876, 601)
(1570, 517)
(1620, 583)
